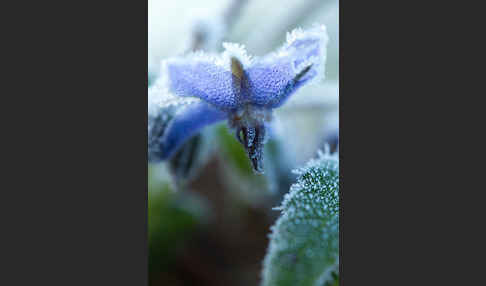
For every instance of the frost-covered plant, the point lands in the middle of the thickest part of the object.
(207, 32)
(186, 162)
(238, 88)
(304, 245)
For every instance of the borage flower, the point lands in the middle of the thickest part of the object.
(243, 90)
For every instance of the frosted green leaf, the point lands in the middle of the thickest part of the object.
(304, 243)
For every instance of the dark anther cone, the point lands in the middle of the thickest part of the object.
(252, 138)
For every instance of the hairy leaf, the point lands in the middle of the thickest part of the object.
(304, 245)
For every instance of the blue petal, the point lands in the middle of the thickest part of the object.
(274, 78)
(187, 123)
(201, 77)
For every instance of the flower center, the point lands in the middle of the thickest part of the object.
(249, 125)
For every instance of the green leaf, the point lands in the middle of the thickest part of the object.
(172, 218)
(238, 173)
(304, 244)
(234, 152)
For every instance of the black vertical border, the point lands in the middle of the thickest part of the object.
(77, 164)
(400, 197)
(82, 144)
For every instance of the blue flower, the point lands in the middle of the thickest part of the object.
(239, 88)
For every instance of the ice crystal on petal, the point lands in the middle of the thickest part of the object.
(158, 120)
(238, 51)
(203, 76)
(245, 89)
(159, 97)
(278, 75)
(186, 122)
(311, 42)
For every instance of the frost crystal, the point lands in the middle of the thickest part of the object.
(239, 88)
(234, 50)
(304, 242)
(158, 120)
(159, 97)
